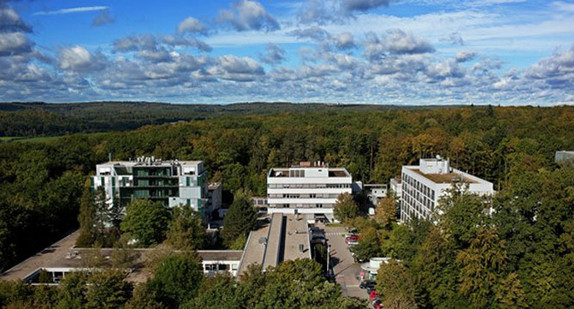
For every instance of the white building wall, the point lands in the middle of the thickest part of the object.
(420, 196)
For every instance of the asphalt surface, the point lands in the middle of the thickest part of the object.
(345, 269)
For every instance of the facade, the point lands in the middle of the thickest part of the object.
(376, 193)
(170, 182)
(424, 184)
(307, 190)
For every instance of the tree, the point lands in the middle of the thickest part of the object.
(108, 289)
(482, 266)
(86, 219)
(177, 279)
(386, 211)
(462, 214)
(73, 291)
(146, 222)
(510, 293)
(369, 244)
(186, 231)
(240, 219)
(345, 208)
(396, 286)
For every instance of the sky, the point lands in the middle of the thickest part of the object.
(402, 52)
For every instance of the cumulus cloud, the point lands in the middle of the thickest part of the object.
(10, 21)
(274, 54)
(396, 42)
(556, 71)
(362, 5)
(179, 41)
(233, 68)
(465, 55)
(103, 18)
(134, 43)
(320, 12)
(79, 59)
(314, 33)
(344, 40)
(14, 43)
(191, 25)
(248, 15)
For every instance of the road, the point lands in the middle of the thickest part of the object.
(345, 269)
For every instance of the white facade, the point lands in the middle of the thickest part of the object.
(171, 182)
(311, 191)
(423, 185)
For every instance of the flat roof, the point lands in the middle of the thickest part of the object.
(278, 172)
(446, 178)
(64, 254)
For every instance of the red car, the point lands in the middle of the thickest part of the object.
(373, 295)
(352, 239)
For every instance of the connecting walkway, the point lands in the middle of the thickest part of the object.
(286, 238)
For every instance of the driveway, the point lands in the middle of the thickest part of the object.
(345, 269)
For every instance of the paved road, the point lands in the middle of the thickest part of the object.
(345, 269)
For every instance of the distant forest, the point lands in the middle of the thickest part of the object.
(42, 119)
(41, 182)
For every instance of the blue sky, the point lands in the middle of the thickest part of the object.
(407, 52)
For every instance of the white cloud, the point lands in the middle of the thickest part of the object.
(248, 15)
(191, 25)
(79, 59)
(73, 10)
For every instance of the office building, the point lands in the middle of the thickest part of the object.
(169, 182)
(423, 185)
(307, 189)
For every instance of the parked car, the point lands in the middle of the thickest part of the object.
(370, 289)
(366, 284)
(376, 300)
(352, 240)
(373, 294)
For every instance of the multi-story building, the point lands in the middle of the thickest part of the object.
(169, 182)
(307, 189)
(423, 185)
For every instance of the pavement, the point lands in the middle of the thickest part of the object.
(345, 269)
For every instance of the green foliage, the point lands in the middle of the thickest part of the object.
(369, 244)
(481, 266)
(386, 211)
(186, 230)
(345, 208)
(177, 279)
(396, 286)
(240, 219)
(146, 222)
(108, 289)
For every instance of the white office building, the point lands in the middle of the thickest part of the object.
(307, 189)
(170, 182)
(423, 185)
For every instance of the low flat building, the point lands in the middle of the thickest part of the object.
(307, 189)
(169, 182)
(376, 192)
(423, 185)
(63, 257)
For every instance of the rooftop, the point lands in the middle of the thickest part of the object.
(451, 177)
(308, 172)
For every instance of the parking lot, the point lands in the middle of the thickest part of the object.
(345, 269)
